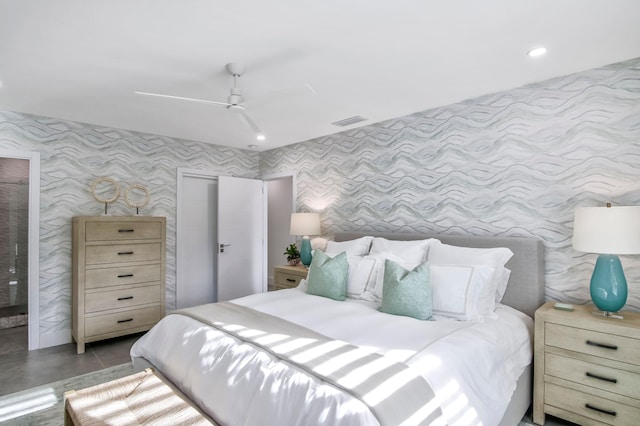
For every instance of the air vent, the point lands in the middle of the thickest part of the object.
(349, 121)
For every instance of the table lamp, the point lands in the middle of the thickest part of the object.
(305, 224)
(608, 231)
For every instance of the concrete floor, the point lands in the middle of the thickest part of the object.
(21, 369)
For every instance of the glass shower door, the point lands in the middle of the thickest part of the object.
(14, 233)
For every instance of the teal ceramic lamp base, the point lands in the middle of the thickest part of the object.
(608, 285)
(305, 251)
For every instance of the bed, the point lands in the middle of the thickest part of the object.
(240, 363)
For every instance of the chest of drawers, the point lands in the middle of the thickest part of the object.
(587, 367)
(118, 276)
(288, 276)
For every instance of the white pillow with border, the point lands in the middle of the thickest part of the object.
(495, 257)
(357, 247)
(462, 292)
(360, 270)
(375, 285)
(411, 251)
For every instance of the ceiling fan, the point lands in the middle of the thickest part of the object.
(235, 100)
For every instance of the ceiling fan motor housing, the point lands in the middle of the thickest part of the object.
(235, 97)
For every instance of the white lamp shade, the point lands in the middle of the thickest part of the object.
(305, 224)
(610, 230)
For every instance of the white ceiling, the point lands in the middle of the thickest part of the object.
(82, 60)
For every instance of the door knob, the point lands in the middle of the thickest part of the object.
(222, 246)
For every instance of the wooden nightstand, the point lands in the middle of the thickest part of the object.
(288, 276)
(587, 367)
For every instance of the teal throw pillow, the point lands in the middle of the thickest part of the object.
(406, 293)
(328, 275)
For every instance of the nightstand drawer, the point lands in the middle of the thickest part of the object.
(114, 231)
(284, 280)
(593, 375)
(590, 406)
(122, 253)
(604, 345)
(126, 275)
(106, 300)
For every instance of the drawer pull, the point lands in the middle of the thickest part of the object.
(602, 345)
(127, 320)
(291, 280)
(125, 276)
(606, 379)
(131, 297)
(125, 230)
(600, 410)
(120, 253)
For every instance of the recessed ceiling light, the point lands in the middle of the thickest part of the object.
(537, 51)
(260, 137)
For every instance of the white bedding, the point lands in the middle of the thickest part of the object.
(472, 367)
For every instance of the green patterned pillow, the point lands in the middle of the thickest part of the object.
(328, 276)
(406, 293)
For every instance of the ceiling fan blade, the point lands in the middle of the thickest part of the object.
(182, 98)
(251, 123)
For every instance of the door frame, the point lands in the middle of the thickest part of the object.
(34, 241)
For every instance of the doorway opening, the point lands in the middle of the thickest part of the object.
(281, 200)
(19, 248)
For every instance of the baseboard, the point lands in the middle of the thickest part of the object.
(55, 338)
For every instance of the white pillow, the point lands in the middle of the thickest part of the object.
(408, 251)
(497, 257)
(461, 292)
(374, 288)
(357, 247)
(501, 286)
(360, 268)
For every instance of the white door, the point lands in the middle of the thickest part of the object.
(196, 239)
(241, 224)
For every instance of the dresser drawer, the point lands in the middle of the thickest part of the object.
(610, 346)
(117, 322)
(105, 300)
(106, 277)
(120, 253)
(114, 231)
(590, 406)
(285, 280)
(593, 375)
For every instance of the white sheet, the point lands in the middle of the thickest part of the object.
(472, 367)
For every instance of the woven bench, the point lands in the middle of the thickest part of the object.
(139, 399)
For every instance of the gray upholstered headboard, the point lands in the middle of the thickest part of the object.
(526, 285)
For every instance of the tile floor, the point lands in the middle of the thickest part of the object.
(21, 369)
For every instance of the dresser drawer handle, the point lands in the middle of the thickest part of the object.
(606, 379)
(120, 253)
(600, 410)
(125, 230)
(125, 275)
(131, 297)
(602, 345)
(127, 320)
(291, 280)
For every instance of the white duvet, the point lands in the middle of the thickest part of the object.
(472, 367)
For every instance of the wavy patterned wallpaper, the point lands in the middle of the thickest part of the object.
(72, 156)
(512, 163)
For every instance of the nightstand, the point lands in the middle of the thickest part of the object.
(587, 367)
(288, 276)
